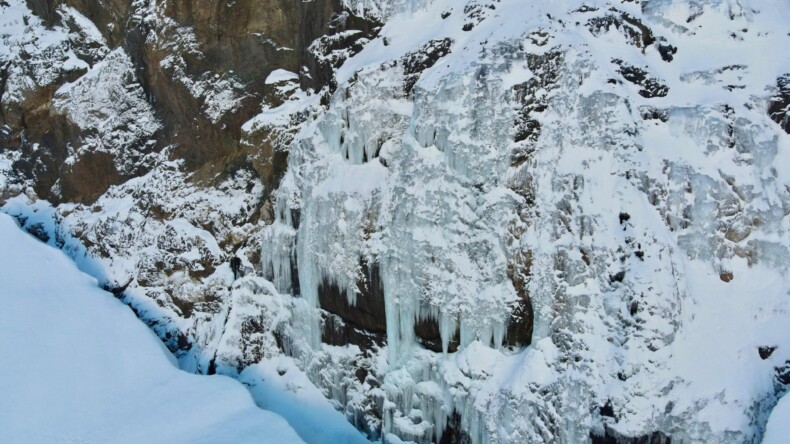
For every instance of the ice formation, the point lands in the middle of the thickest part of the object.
(630, 195)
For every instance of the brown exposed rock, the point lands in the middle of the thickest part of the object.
(429, 336)
(88, 177)
(29, 123)
(109, 16)
(335, 331)
(197, 44)
(519, 328)
(365, 318)
(779, 106)
(240, 42)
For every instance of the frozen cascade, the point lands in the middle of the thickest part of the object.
(279, 255)
(387, 215)
(440, 228)
(355, 191)
(424, 184)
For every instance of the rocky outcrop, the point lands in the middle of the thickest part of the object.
(362, 321)
(779, 107)
(418, 61)
(531, 97)
(612, 437)
(201, 66)
(649, 86)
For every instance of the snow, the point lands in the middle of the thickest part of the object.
(83, 23)
(47, 53)
(280, 75)
(778, 429)
(5, 169)
(278, 385)
(109, 102)
(79, 366)
(282, 115)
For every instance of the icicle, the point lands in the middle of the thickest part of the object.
(499, 330)
(393, 334)
(447, 326)
(468, 334)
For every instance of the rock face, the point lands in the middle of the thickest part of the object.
(779, 109)
(196, 72)
(477, 221)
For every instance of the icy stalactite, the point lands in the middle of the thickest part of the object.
(352, 138)
(447, 328)
(424, 276)
(427, 391)
(381, 10)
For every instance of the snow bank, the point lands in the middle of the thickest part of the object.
(278, 385)
(280, 75)
(78, 365)
(778, 429)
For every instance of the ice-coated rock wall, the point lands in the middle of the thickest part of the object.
(597, 157)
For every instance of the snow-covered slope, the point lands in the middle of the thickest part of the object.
(78, 366)
(777, 431)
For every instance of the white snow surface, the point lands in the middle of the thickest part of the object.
(78, 366)
(280, 75)
(777, 431)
